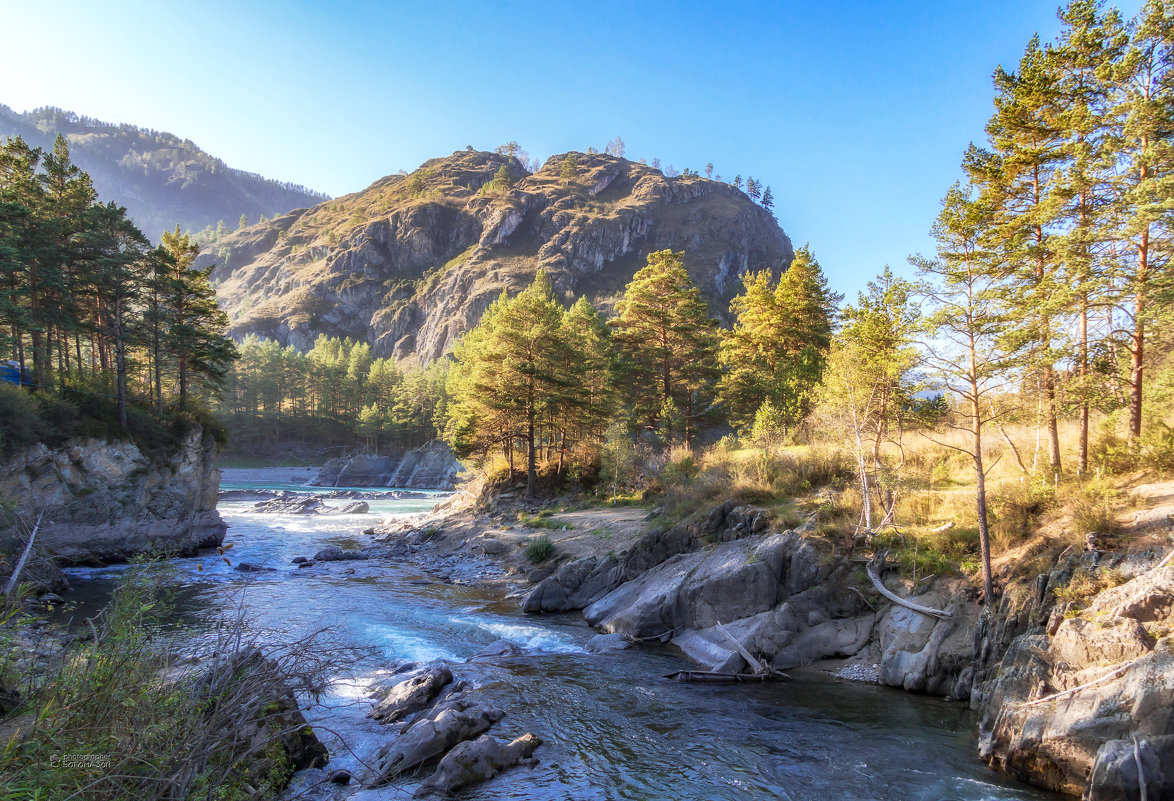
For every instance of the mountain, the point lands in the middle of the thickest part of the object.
(411, 262)
(161, 179)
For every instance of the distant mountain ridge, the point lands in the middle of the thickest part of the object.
(162, 180)
(411, 262)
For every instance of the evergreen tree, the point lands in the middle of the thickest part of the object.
(1091, 44)
(768, 200)
(777, 348)
(1016, 178)
(1143, 122)
(962, 287)
(668, 343)
(195, 338)
(509, 372)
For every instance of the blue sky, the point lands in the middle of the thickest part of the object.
(855, 113)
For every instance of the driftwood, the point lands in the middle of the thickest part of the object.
(1111, 674)
(1140, 771)
(715, 677)
(897, 599)
(24, 557)
(757, 666)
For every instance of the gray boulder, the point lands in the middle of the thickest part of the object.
(1122, 684)
(453, 722)
(736, 579)
(606, 643)
(476, 761)
(334, 553)
(411, 695)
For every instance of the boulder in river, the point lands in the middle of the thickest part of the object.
(453, 722)
(411, 695)
(497, 650)
(476, 761)
(606, 643)
(334, 553)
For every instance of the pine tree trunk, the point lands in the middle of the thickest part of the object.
(1137, 340)
(1083, 334)
(1053, 427)
(984, 541)
(120, 362)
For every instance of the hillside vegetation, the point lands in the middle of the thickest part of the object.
(162, 180)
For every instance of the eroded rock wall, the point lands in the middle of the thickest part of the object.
(107, 501)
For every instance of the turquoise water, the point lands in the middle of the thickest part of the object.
(612, 727)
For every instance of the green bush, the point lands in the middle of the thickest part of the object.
(539, 549)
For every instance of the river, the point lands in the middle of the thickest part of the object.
(611, 727)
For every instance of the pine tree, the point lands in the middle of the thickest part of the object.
(668, 342)
(1143, 122)
(777, 348)
(1090, 46)
(963, 290)
(509, 370)
(195, 337)
(768, 200)
(1016, 180)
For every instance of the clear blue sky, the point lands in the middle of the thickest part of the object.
(856, 113)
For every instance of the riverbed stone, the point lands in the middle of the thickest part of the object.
(411, 695)
(451, 723)
(728, 581)
(606, 643)
(476, 761)
(334, 553)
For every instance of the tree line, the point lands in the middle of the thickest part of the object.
(86, 304)
(337, 392)
(534, 379)
(1052, 268)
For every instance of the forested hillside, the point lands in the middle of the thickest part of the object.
(162, 180)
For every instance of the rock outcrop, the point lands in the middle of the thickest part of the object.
(1082, 705)
(106, 501)
(476, 761)
(411, 262)
(430, 466)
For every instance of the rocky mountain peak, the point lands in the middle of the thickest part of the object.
(411, 262)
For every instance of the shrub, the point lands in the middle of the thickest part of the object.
(155, 727)
(20, 423)
(1086, 585)
(539, 549)
(1092, 508)
(1017, 507)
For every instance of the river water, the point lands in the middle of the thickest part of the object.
(611, 727)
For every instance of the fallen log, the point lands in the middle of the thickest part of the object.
(716, 677)
(757, 666)
(897, 599)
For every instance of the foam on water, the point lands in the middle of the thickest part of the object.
(532, 638)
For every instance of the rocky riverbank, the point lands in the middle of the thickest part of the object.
(107, 501)
(789, 599)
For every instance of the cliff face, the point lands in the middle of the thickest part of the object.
(410, 263)
(431, 466)
(106, 501)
